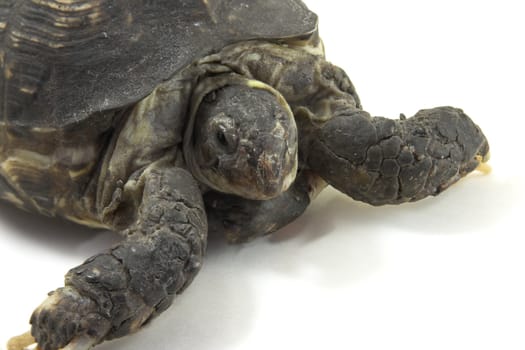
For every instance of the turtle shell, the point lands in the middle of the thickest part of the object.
(64, 61)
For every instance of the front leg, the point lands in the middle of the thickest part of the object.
(375, 160)
(241, 220)
(116, 292)
(383, 161)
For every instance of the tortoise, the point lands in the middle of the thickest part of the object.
(168, 120)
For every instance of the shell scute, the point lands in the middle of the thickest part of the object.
(63, 60)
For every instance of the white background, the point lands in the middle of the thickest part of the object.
(443, 273)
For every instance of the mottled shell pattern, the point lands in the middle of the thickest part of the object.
(70, 69)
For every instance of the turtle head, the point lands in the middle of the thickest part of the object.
(245, 141)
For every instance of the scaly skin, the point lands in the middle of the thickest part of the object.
(372, 159)
(116, 292)
(375, 160)
(397, 161)
(240, 220)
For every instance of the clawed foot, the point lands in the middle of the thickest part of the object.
(27, 342)
(22, 342)
(483, 166)
(65, 321)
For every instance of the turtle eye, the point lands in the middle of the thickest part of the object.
(221, 137)
(227, 138)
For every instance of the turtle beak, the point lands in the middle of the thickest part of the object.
(276, 167)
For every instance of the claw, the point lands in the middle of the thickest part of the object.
(81, 343)
(27, 342)
(483, 167)
(22, 342)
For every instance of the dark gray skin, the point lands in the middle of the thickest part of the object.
(116, 292)
(375, 160)
(245, 142)
(237, 143)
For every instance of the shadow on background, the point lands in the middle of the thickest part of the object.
(335, 244)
